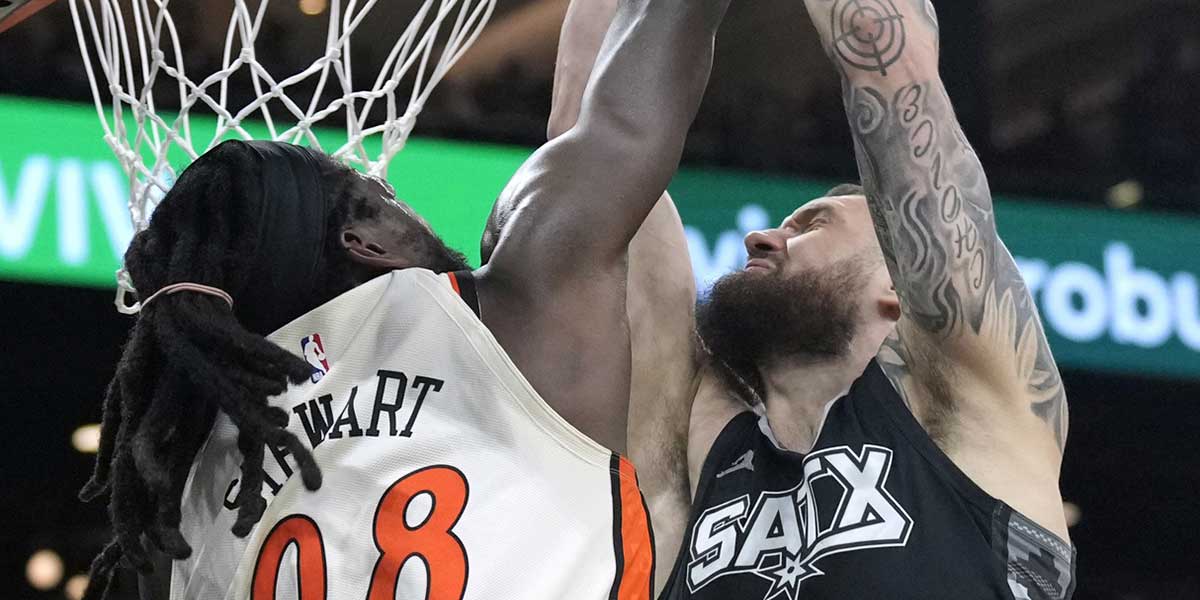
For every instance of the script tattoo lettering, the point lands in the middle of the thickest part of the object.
(931, 204)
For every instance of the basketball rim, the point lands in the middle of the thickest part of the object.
(15, 11)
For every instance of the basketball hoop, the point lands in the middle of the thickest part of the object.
(13, 12)
(132, 47)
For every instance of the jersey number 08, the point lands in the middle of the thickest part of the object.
(433, 541)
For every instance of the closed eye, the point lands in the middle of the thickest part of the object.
(814, 224)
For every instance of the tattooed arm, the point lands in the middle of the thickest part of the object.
(971, 347)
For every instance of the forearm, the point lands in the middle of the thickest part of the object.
(915, 162)
(591, 188)
(583, 33)
(651, 75)
(961, 293)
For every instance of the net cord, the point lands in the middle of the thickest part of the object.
(123, 71)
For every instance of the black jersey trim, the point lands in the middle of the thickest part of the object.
(464, 284)
(653, 545)
(614, 468)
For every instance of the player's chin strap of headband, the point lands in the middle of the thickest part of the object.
(168, 290)
(199, 288)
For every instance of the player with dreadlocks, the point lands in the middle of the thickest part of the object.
(190, 355)
(297, 319)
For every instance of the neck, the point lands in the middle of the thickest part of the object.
(800, 387)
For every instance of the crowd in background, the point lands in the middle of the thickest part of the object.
(1147, 131)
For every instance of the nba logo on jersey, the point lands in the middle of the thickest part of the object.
(314, 353)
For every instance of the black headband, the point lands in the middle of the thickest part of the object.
(282, 277)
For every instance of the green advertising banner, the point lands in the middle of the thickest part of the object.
(1118, 291)
(63, 197)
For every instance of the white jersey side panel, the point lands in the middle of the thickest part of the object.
(410, 388)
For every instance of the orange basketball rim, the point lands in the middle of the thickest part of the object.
(15, 11)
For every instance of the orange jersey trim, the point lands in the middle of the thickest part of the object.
(635, 541)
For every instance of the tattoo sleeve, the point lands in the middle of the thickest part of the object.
(960, 289)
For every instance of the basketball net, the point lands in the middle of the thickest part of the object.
(130, 50)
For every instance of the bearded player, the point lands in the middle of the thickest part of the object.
(455, 436)
(910, 418)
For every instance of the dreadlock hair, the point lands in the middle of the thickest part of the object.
(188, 357)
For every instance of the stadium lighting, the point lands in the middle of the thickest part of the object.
(76, 586)
(313, 7)
(86, 439)
(1073, 513)
(1126, 195)
(44, 570)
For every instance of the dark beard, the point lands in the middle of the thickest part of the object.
(749, 318)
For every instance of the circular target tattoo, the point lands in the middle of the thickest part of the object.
(868, 34)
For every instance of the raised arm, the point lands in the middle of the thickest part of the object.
(963, 300)
(583, 32)
(660, 302)
(615, 163)
(566, 220)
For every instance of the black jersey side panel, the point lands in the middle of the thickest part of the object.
(732, 443)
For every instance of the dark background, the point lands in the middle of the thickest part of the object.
(1064, 99)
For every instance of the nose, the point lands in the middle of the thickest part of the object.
(761, 244)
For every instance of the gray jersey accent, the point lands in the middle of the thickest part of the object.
(1040, 565)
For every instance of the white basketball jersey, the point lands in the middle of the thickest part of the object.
(446, 476)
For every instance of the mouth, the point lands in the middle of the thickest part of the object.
(759, 265)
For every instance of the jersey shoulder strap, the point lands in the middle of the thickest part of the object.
(463, 283)
(731, 451)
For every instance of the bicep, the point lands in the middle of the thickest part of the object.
(661, 299)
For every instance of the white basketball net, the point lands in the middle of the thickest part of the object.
(134, 45)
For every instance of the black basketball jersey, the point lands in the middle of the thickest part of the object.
(876, 511)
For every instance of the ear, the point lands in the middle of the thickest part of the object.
(363, 250)
(889, 304)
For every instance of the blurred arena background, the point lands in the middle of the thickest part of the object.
(1086, 112)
